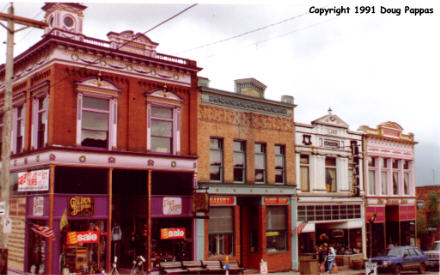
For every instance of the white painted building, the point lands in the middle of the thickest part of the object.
(330, 187)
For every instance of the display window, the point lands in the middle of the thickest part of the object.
(37, 251)
(276, 229)
(83, 248)
(221, 231)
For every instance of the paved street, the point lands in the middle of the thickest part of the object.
(349, 272)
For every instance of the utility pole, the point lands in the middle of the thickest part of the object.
(7, 108)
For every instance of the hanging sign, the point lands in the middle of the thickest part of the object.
(172, 233)
(82, 237)
(172, 206)
(37, 180)
(81, 206)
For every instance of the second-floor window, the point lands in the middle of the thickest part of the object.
(330, 174)
(239, 161)
(40, 115)
(406, 177)
(371, 175)
(260, 162)
(1, 133)
(216, 159)
(19, 129)
(395, 176)
(384, 175)
(304, 161)
(95, 122)
(280, 164)
(161, 129)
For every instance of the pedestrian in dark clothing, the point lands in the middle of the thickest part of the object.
(322, 259)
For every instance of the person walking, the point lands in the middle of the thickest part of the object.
(331, 257)
(322, 257)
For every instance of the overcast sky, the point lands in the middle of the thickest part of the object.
(369, 68)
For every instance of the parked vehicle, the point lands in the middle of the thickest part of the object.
(401, 258)
(433, 256)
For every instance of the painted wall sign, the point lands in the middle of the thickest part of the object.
(37, 180)
(81, 206)
(221, 200)
(172, 206)
(38, 206)
(407, 213)
(172, 233)
(378, 210)
(16, 239)
(276, 200)
(77, 237)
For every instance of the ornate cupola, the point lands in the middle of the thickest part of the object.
(67, 17)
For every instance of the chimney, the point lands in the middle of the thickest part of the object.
(250, 87)
(203, 82)
(287, 99)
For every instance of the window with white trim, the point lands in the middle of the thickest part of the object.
(95, 114)
(40, 108)
(371, 175)
(161, 121)
(330, 174)
(396, 172)
(19, 128)
(406, 177)
(304, 161)
(216, 159)
(239, 161)
(260, 163)
(1, 133)
(280, 163)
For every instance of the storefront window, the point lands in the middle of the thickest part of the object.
(216, 158)
(330, 174)
(239, 161)
(304, 173)
(221, 231)
(276, 228)
(83, 246)
(37, 251)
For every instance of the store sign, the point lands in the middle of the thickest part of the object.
(407, 213)
(82, 237)
(378, 210)
(37, 180)
(221, 200)
(81, 206)
(200, 202)
(172, 206)
(172, 233)
(276, 200)
(38, 206)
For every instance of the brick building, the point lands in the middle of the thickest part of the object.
(390, 197)
(101, 132)
(247, 165)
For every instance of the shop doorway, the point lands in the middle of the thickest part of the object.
(249, 227)
(392, 225)
(129, 215)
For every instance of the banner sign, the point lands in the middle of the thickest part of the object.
(82, 237)
(378, 210)
(407, 213)
(276, 200)
(37, 180)
(172, 233)
(81, 206)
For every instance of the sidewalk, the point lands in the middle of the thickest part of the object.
(341, 272)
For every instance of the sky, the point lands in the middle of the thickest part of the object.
(368, 68)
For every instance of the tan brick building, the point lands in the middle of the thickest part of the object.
(247, 164)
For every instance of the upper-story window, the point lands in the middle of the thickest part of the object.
(97, 114)
(330, 174)
(39, 120)
(395, 163)
(1, 133)
(406, 177)
(95, 122)
(280, 160)
(384, 175)
(304, 172)
(372, 175)
(260, 162)
(163, 122)
(239, 161)
(19, 128)
(216, 159)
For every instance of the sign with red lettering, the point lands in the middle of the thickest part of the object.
(82, 237)
(407, 213)
(172, 233)
(276, 200)
(37, 180)
(378, 210)
(221, 200)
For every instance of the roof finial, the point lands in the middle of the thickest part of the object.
(330, 111)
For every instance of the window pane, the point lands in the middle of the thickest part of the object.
(304, 159)
(94, 121)
(330, 179)
(395, 183)
(372, 182)
(259, 175)
(238, 159)
(238, 146)
(214, 143)
(161, 112)
(215, 172)
(238, 174)
(161, 128)
(276, 218)
(95, 103)
(395, 163)
(279, 162)
(406, 183)
(405, 164)
(304, 174)
(384, 183)
(259, 162)
(384, 163)
(220, 220)
(216, 157)
(94, 138)
(161, 144)
(330, 161)
(279, 150)
(259, 148)
(279, 176)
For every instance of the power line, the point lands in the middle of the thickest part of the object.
(245, 33)
(28, 32)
